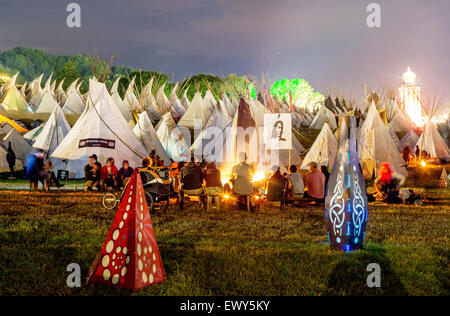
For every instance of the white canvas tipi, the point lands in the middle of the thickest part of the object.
(34, 133)
(101, 130)
(48, 103)
(185, 101)
(4, 167)
(35, 91)
(172, 139)
(197, 110)
(12, 99)
(19, 145)
(376, 146)
(432, 142)
(148, 102)
(228, 105)
(409, 140)
(323, 116)
(60, 94)
(397, 119)
(120, 104)
(74, 103)
(209, 99)
(146, 133)
(177, 109)
(162, 100)
(52, 134)
(324, 150)
(217, 122)
(394, 137)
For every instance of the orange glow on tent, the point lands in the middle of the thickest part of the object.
(4, 120)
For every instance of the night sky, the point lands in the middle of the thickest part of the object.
(325, 41)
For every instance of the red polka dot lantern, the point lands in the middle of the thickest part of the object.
(130, 257)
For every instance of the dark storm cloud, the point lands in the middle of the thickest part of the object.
(324, 41)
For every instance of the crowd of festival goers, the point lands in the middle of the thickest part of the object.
(204, 178)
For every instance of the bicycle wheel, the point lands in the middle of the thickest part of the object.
(109, 201)
(150, 201)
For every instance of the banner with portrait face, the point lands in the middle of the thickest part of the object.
(278, 131)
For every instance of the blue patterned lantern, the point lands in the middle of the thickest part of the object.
(346, 199)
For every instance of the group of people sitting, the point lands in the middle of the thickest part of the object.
(413, 158)
(106, 177)
(312, 185)
(207, 181)
(204, 179)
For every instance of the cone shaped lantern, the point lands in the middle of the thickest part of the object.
(129, 257)
(346, 199)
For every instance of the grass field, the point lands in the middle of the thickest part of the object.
(226, 253)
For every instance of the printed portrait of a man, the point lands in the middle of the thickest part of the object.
(278, 131)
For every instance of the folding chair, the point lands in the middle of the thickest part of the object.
(275, 190)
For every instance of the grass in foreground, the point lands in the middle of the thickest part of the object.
(226, 253)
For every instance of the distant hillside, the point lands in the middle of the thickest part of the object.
(31, 63)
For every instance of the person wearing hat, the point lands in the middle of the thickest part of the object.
(314, 182)
(277, 174)
(92, 173)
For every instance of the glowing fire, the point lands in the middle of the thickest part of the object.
(259, 176)
(225, 180)
(423, 163)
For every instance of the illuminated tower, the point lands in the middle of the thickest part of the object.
(410, 97)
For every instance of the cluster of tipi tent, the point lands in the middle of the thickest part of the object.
(129, 128)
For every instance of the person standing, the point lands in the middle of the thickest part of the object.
(34, 168)
(11, 158)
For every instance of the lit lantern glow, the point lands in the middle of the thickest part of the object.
(410, 97)
(409, 77)
(346, 199)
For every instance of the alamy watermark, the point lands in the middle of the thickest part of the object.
(374, 278)
(374, 17)
(74, 17)
(74, 278)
